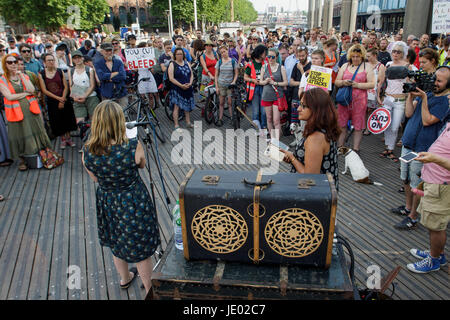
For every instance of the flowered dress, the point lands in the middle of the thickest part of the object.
(182, 98)
(329, 161)
(126, 216)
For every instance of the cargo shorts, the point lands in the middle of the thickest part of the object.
(82, 110)
(434, 206)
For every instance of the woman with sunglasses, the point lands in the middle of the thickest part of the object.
(26, 132)
(317, 151)
(395, 99)
(240, 48)
(273, 78)
(364, 81)
(251, 45)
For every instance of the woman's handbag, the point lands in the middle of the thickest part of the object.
(282, 103)
(51, 159)
(344, 95)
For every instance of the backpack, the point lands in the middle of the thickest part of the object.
(166, 80)
(86, 68)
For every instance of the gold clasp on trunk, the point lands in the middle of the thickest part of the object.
(211, 180)
(306, 183)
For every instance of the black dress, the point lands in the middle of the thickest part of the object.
(61, 120)
(329, 161)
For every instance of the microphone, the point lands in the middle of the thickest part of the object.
(131, 125)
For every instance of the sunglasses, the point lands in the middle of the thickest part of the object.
(115, 43)
(26, 51)
(12, 62)
(301, 105)
(2, 50)
(357, 50)
(271, 57)
(397, 51)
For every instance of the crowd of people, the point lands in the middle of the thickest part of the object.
(52, 83)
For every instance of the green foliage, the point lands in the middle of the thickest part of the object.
(214, 11)
(52, 14)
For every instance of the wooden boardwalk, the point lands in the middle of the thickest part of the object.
(48, 228)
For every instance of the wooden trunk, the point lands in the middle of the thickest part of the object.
(177, 278)
(246, 217)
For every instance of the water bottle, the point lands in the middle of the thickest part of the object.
(178, 236)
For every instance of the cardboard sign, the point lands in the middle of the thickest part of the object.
(319, 77)
(441, 12)
(379, 121)
(140, 58)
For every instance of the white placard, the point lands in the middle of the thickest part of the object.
(140, 58)
(441, 16)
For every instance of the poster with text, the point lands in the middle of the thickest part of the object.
(140, 58)
(319, 77)
(441, 16)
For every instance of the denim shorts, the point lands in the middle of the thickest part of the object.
(409, 172)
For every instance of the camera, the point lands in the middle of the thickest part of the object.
(422, 80)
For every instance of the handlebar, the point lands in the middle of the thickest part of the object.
(137, 83)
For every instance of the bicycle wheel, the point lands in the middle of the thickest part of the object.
(151, 116)
(211, 109)
(169, 111)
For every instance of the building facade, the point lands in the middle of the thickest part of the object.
(392, 14)
(123, 8)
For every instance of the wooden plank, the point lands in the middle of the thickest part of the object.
(60, 254)
(12, 239)
(28, 246)
(39, 282)
(77, 246)
(95, 268)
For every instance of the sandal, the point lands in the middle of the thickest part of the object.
(6, 163)
(391, 156)
(135, 273)
(385, 153)
(2, 198)
(367, 133)
(23, 166)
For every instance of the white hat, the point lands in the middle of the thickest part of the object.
(359, 31)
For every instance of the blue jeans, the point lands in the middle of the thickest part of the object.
(258, 112)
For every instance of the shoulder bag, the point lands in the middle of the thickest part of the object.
(344, 95)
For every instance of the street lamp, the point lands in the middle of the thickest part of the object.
(195, 14)
(170, 19)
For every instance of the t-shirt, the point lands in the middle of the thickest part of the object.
(226, 72)
(157, 67)
(432, 172)
(257, 66)
(186, 53)
(297, 76)
(164, 59)
(384, 57)
(419, 138)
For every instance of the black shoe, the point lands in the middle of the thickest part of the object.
(406, 224)
(219, 123)
(401, 211)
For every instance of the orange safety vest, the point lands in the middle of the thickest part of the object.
(13, 111)
(250, 85)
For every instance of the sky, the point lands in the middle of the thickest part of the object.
(260, 5)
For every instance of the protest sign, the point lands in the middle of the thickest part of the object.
(319, 77)
(441, 13)
(379, 121)
(140, 58)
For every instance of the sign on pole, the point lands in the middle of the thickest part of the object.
(441, 16)
(319, 77)
(140, 58)
(379, 121)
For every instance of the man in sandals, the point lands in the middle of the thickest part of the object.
(426, 112)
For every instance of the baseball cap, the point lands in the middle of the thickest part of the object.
(106, 46)
(77, 53)
(359, 31)
(11, 39)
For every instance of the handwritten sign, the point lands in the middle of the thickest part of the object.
(140, 58)
(379, 121)
(319, 77)
(441, 16)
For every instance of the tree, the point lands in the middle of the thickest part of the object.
(214, 11)
(52, 14)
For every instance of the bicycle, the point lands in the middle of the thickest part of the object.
(212, 105)
(238, 103)
(148, 115)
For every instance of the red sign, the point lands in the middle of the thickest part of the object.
(379, 121)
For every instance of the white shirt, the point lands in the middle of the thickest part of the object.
(289, 64)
